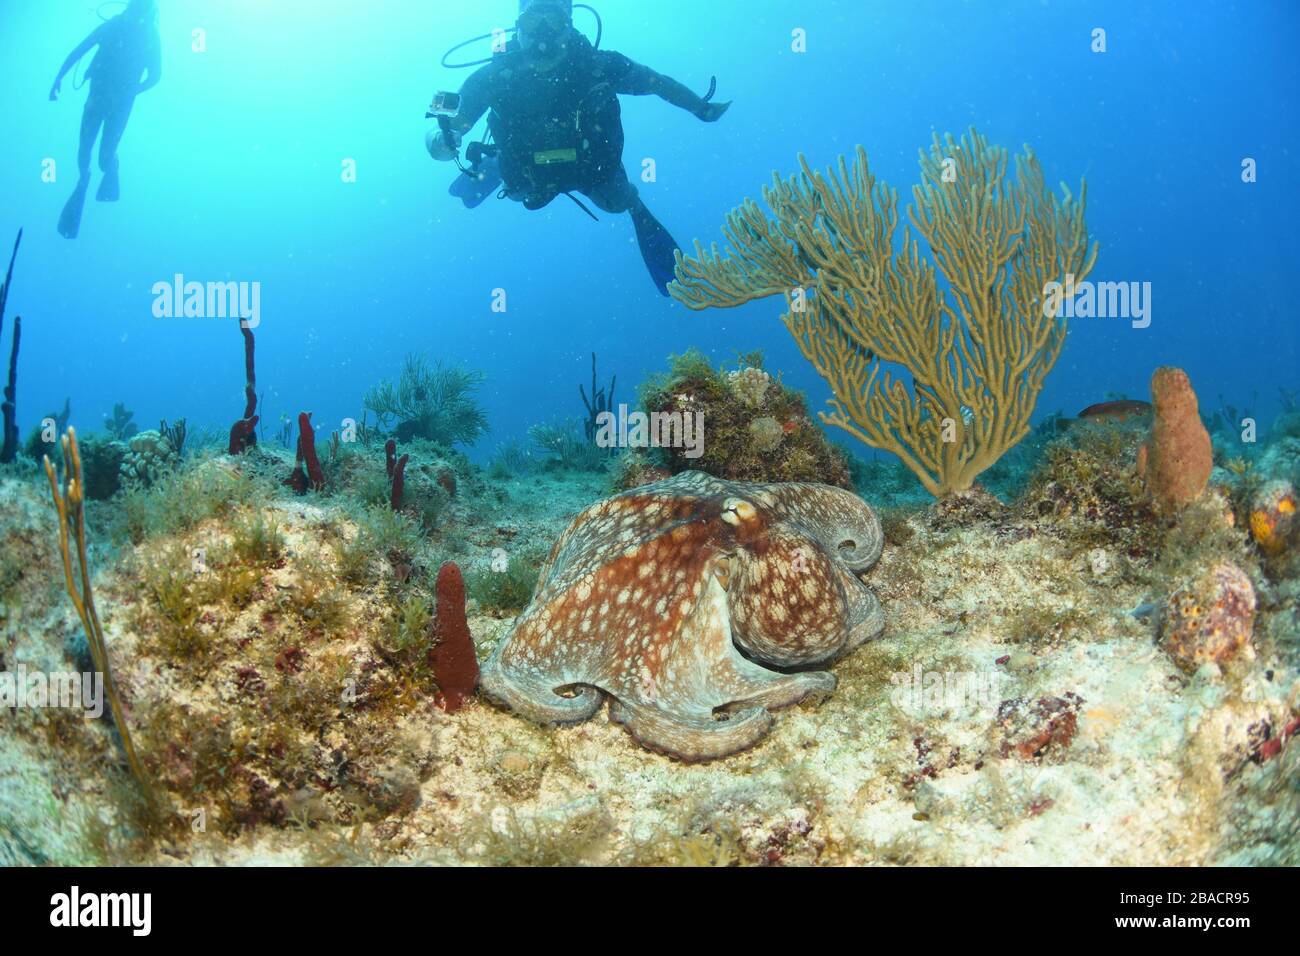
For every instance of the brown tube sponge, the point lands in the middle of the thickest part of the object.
(1177, 457)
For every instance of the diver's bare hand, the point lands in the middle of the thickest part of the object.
(712, 112)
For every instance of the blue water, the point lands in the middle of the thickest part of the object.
(231, 170)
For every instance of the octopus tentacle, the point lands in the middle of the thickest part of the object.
(531, 696)
(842, 522)
(866, 619)
(775, 690)
(691, 739)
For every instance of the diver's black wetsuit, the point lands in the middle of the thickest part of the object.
(562, 131)
(127, 63)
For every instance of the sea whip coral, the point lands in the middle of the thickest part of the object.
(861, 305)
(452, 657)
(243, 434)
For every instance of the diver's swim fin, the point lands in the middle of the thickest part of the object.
(657, 247)
(110, 187)
(472, 189)
(70, 218)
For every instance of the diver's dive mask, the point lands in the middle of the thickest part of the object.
(542, 29)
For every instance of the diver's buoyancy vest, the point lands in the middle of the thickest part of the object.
(122, 57)
(557, 133)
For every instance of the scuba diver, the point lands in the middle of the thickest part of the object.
(556, 125)
(128, 62)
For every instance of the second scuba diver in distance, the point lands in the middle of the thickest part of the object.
(128, 62)
(557, 124)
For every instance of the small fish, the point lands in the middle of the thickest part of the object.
(1120, 410)
(1145, 611)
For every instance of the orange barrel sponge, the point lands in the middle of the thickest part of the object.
(1210, 618)
(1176, 460)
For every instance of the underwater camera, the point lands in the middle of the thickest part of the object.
(444, 104)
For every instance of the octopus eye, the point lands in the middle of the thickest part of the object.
(736, 510)
(848, 546)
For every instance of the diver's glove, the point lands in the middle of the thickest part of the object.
(712, 112)
(440, 147)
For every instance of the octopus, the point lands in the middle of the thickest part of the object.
(697, 607)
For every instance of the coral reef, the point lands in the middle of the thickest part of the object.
(1016, 710)
(452, 657)
(750, 385)
(435, 403)
(754, 428)
(1177, 458)
(1085, 488)
(1073, 675)
(632, 603)
(1209, 619)
(976, 353)
(149, 456)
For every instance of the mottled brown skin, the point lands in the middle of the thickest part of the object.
(650, 598)
(1177, 458)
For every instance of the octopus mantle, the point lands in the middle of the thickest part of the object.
(698, 606)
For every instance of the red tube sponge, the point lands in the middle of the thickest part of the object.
(452, 657)
(243, 434)
(300, 481)
(399, 482)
